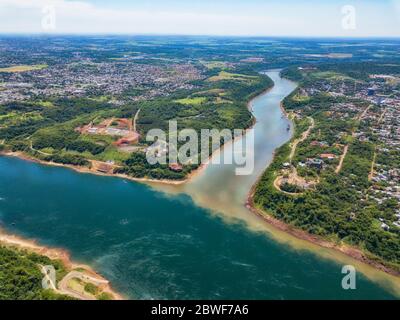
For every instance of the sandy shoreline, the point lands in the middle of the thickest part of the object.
(81, 169)
(62, 255)
(352, 252)
(190, 176)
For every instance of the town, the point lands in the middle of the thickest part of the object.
(330, 170)
(341, 169)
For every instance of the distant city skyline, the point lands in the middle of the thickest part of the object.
(301, 18)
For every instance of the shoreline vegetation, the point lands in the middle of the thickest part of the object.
(67, 140)
(263, 85)
(190, 176)
(264, 182)
(348, 250)
(14, 241)
(71, 270)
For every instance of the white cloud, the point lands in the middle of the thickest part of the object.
(396, 4)
(22, 16)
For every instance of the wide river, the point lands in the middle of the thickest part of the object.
(195, 241)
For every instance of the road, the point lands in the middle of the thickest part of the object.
(64, 289)
(346, 148)
(371, 174)
(300, 140)
(340, 165)
(135, 120)
(49, 280)
(38, 151)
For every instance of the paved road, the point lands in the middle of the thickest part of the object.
(63, 287)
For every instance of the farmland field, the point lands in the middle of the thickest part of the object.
(23, 68)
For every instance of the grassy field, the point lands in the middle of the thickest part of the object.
(219, 100)
(329, 75)
(16, 118)
(45, 104)
(223, 75)
(101, 99)
(79, 286)
(102, 140)
(112, 154)
(300, 98)
(192, 101)
(23, 68)
(214, 64)
(7, 116)
(216, 91)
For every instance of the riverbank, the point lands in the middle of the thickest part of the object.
(189, 177)
(348, 250)
(87, 170)
(203, 166)
(61, 255)
(352, 252)
(143, 226)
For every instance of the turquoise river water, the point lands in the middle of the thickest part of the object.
(194, 241)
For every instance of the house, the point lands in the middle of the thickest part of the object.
(176, 167)
(316, 143)
(371, 91)
(328, 156)
(315, 163)
(92, 130)
(394, 173)
(385, 227)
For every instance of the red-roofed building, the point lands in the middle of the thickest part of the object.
(176, 167)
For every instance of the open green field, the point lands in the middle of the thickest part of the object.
(214, 64)
(192, 101)
(45, 104)
(223, 75)
(112, 154)
(216, 91)
(330, 75)
(16, 118)
(23, 68)
(300, 98)
(100, 99)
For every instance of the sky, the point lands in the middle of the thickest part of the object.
(299, 18)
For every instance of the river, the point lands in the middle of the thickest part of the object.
(195, 241)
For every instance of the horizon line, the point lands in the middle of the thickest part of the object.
(202, 35)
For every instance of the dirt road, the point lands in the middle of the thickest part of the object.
(300, 140)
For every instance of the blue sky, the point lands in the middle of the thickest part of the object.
(345, 18)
